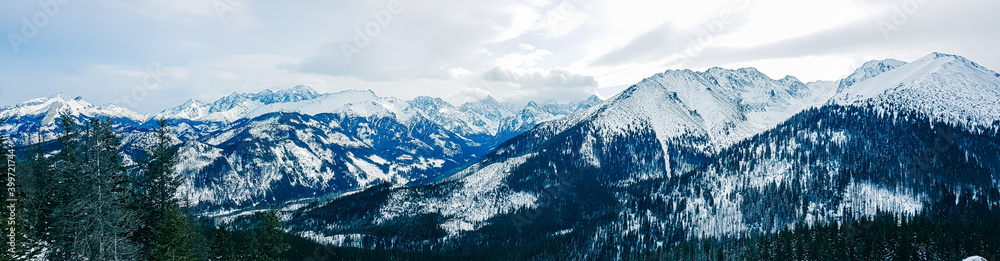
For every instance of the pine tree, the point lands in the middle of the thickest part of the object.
(155, 186)
(174, 238)
(269, 239)
(159, 182)
(223, 244)
(36, 178)
(91, 195)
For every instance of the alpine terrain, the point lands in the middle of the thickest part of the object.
(720, 154)
(895, 161)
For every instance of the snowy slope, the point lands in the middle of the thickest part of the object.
(279, 157)
(868, 70)
(326, 103)
(191, 110)
(723, 105)
(945, 87)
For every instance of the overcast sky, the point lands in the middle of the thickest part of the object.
(150, 55)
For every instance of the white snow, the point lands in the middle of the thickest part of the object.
(867, 199)
(944, 87)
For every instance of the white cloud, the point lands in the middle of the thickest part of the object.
(522, 85)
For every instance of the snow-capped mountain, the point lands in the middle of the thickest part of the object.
(867, 71)
(335, 143)
(680, 155)
(279, 157)
(236, 105)
(191, 109)
(943, 87)
(686, 155)
(37, 120)
(271, 147)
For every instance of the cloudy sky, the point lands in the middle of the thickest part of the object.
(150, 55)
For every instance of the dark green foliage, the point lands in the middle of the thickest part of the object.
(174, 237)
(154, 187)
(29, 166)
(223, 243)
(268, 241)
(553, 248)
(264, 241)
(881, 238)
(157, 183)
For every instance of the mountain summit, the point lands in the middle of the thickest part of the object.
(944, 87)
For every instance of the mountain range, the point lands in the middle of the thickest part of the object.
(680, 155)
(716, 154)
(269, 148)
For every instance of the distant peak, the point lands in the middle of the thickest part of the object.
(355, 91)
(751, 71)
(192, 102)
(489, 99)
(936, 56)
(302, 88)
(868, 70)
(65, 97)
(889, 62)
(299, 89)
(425, 98)
(422, 101)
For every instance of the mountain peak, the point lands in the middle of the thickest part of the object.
(427, 102)
(486, 100)
(945, 87)
(53, 107)
(265, 97)
(300, 90)
(65, 97)
(591, 101)
(192, 102)
(869, 70)
(191, 109)
(954, 59)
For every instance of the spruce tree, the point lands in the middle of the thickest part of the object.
(270, 239)
(36, 178)
(223, 244)
(154, 188)
(174, 238)
(92, 196)
(159, 182)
